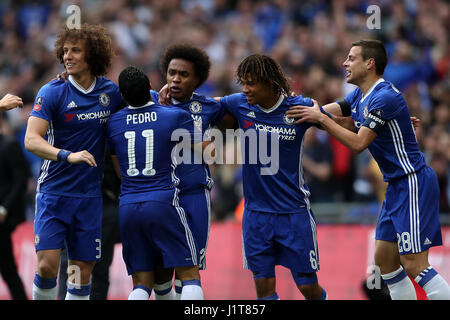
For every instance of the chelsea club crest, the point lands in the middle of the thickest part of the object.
(195, 107)
(104, 99)
(365, 111)
(287, 120)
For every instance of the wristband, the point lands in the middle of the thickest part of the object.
(62, 155)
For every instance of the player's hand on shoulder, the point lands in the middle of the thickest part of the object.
(10, 101)
(62, 76)
(164, 95)
(415, 122)
(80, 157)
(305, 113)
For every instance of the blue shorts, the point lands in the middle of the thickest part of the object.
(153, 230)
(75, 222)
(198, 211)
(289, 240)
(410, 213)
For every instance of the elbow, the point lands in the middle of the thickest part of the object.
(29, 143)
(357, 149)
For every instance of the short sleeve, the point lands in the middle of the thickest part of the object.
(218, 114)
(155, 96)
(43, 104)
(231, 103)
(382, 107)
(350, 98)
(385, 105)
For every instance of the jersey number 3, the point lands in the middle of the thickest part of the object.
(149, 144)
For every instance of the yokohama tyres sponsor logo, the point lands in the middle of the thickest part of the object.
(93, 115)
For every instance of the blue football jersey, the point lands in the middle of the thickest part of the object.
(77, 121)
(141, 138)
(384, 110)
(206, 112)
(271, 187)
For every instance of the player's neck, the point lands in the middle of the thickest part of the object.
(367, 83)
(270, 102)
(84, 79)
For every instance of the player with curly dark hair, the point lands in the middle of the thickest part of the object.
(67, 129)
(186, 68)
(99, 50)
(197, 57)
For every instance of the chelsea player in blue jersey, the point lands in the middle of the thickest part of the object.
(279, 227)
(153, 224)
(186, 68)
(67, 129)
(408, 224)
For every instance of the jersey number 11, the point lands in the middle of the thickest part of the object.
(149, 143)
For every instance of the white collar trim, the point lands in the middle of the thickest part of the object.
(174, 101)
(276, 105)
(145, 105)
(371, 89)
(80, 88)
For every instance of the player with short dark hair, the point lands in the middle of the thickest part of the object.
(67, 129)
(408, 224)
(153, 224)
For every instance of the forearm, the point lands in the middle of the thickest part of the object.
(39, 146)
(349, 138)
(333, 108)
(345, 122)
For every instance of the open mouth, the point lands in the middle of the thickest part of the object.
(69, 66)
(175, 90)
(348, 73)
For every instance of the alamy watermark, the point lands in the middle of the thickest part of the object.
(73, 21)
(257, 146)
(73, 277)
(374, 277)
(374, 20)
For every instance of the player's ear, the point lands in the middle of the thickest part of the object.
(370, 63)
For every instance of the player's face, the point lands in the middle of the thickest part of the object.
(355, 66)
(257, 92)
(75, 57)
(181, 79)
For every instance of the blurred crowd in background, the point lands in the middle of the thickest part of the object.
(310, 39)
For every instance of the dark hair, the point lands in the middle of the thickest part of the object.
(373, 49)
(134, 86)
(197, 56)
(263, 69)
(99, 49)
